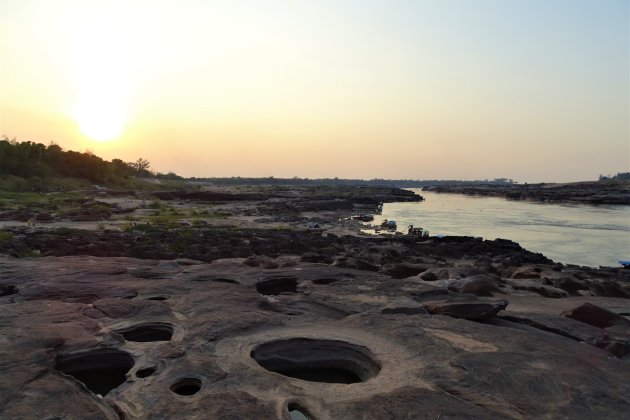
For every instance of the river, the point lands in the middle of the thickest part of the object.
(567, 233)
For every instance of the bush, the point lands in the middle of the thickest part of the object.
(5, 236)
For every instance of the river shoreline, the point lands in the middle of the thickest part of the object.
(596, 192)
(252, 303)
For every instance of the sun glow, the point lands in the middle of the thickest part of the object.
(104, 55)
(100, 117)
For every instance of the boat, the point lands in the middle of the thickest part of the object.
(389, 224)
(417, 231)
(363, 217)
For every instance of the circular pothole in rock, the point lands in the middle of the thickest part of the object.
(8, 289)
(148, 332)
(297, 413)
(277, 285)
(186, 386)
(318, 360)
(145, 372)
(99, 370)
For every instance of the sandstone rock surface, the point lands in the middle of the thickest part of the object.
(263, 315)
(89, 337)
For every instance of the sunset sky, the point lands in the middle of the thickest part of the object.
(535, 90)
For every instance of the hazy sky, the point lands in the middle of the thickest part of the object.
(535, 90)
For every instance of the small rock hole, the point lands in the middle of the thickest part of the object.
(145, 372)
(148, 332)
(186, 386)
(9, 289)
(157, 298)
(298, 413)
(277, 285)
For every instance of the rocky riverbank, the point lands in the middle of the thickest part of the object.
(601, 192)
(283, 307)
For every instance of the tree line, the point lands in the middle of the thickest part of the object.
(621, 176)
(28, 159)
(376, 182)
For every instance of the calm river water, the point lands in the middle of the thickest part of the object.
(568, 233)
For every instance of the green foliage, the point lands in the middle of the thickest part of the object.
(66, 231)
(166, 220)
(29, 253)
(156, 204)
(169, 176)
(28, 166)
(182, 240)
(621, 176)
(5, 236)
(22, 198)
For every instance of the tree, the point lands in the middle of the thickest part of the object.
(141, 166)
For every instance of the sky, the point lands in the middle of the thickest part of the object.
(533, 90)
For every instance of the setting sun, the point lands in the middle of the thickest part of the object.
(261, 83)
(103, 56)
(100, 117)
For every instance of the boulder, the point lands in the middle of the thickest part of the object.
(597, 316)
(474, 310)
(480, 285)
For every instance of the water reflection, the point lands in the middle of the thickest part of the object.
(568, 233)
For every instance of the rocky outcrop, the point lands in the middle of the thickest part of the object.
(218, 321)
(261, 337)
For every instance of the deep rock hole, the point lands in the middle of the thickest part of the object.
(148, 332)
(145, 372)
(9, 289)
(158, 298)
(313, 360)
(277, 285)
(186, 386)
(99, 370)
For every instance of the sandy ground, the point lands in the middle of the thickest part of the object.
(333, 223)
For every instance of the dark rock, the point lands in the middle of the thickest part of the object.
(429, 276)
(570, 285)
(596, 316)
(562, 326)
(480, 285)
(535, 285)
(527, 272)
(472, 309)
(404, 306)
(403, 270)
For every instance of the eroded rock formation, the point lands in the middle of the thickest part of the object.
(121, 337)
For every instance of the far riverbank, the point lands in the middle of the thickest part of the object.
(615, 192)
